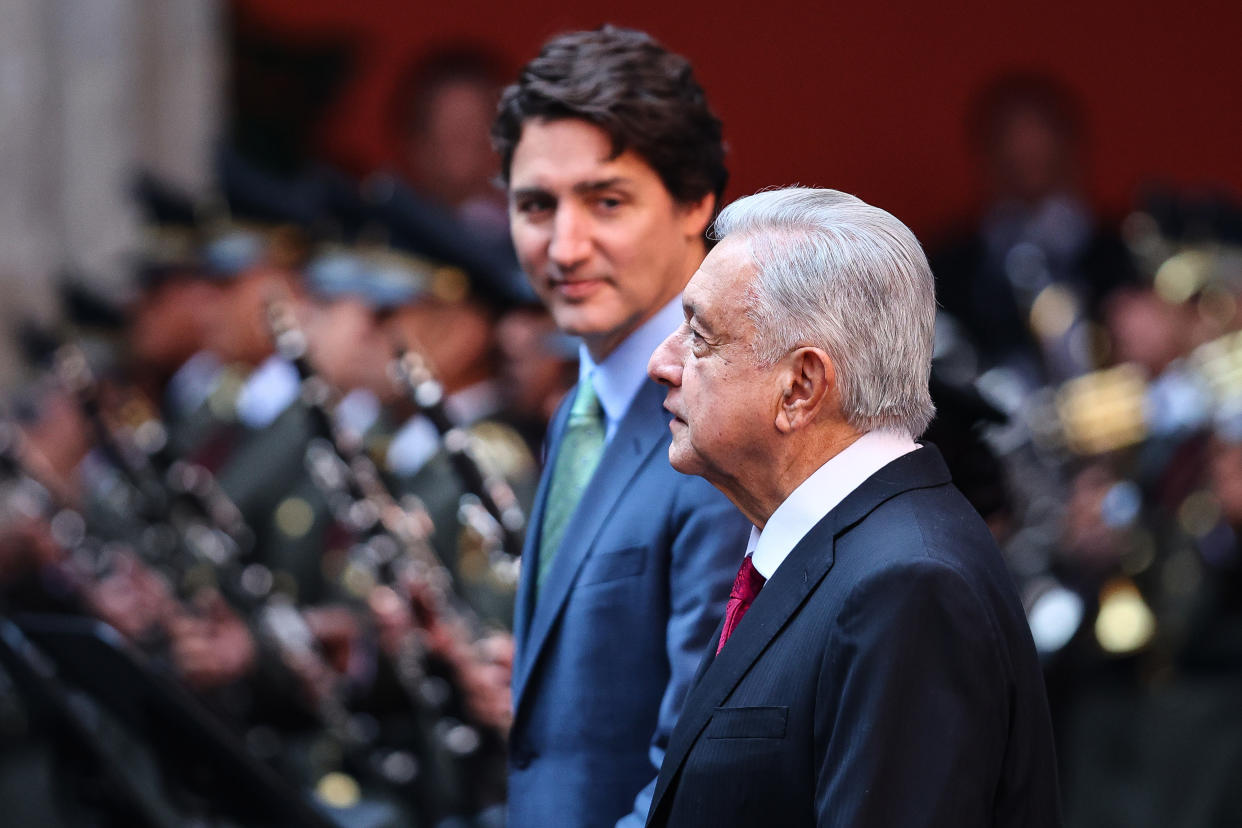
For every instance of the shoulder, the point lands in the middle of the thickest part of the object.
(926, 558)
(935, 523)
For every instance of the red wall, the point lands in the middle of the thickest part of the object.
(865, 97)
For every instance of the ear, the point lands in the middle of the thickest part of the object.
(809, 386)
(695, 215)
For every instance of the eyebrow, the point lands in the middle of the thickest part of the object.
(581, 188)
(528, 192)
(588, 187)
(692, 312)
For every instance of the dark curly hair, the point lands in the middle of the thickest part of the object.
(645, 97)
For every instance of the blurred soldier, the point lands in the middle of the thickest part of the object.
(538, 365)
(456, 336)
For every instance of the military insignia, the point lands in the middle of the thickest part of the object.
(222, 401)
(500, 450)
(294, 517)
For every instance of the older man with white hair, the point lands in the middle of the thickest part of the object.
(874, 666)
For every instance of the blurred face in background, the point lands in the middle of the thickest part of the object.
(1147, 330)
(239, 333)
(456, 339)
(603, 242)
(169, 324)
(61, 431)
(348, 347)
(1030, 158)
(450, 152)
(535, 368)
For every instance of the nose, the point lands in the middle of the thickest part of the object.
(571, 238)
(665, 364)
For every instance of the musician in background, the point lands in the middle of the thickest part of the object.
(443, 110)
(456, 334)
(1029, 277)
(441, 200)
(538, 365)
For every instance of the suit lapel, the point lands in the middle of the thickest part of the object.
(719, 674)
(525, 599)
(639, 434)
(780, 599)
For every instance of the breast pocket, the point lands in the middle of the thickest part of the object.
(748, 723)
(609, 566)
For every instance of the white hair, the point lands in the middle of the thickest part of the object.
(835, 273)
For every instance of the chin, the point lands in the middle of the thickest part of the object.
(682, 460)
(573, 319)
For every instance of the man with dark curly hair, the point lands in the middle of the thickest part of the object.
(614, 166)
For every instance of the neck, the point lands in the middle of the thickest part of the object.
(801, 455)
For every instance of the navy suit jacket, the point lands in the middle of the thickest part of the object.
(607, 652)
(884, 676)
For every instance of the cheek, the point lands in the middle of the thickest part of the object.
(726, 404)
(657, 242)
(628, 249)
(530, 243)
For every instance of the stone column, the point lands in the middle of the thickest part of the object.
(91, 90)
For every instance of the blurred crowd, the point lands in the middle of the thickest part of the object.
(1111, 360)
(290, 477)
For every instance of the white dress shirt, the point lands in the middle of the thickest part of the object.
(820, 493)
(268, 391)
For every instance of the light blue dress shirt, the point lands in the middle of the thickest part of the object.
(619, 375)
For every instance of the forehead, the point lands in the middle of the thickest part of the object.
(720, 286)
(562, 153)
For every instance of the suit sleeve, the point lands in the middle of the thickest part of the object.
(915, 729)
(708, 541)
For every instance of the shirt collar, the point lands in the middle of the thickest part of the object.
(620, 375)
(473, 403)
(413, 444)
(418, 440)
(820, 493)
(269, 390)
(193, 382)
(357, 412)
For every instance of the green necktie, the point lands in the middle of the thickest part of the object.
(575, 463)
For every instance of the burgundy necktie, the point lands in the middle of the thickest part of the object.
(745, 587)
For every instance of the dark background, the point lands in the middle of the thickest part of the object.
(865, 97)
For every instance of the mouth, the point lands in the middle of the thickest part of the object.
(575, 289)
(677, 420)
